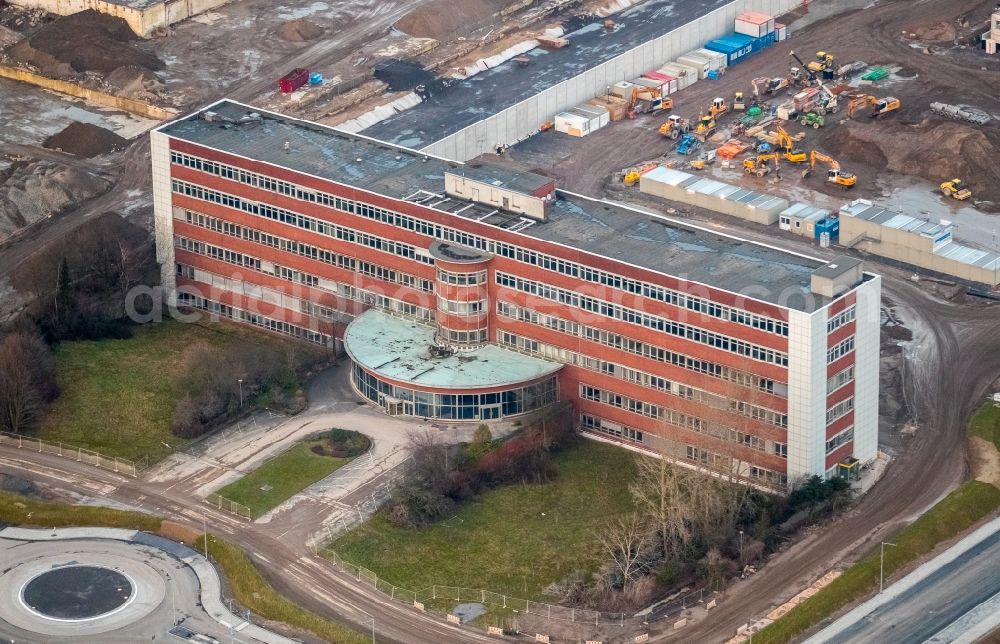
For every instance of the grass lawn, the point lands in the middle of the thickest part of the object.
(986, 423)
(287, 474)
(29, 511)
(515, 539)
(950, 517)
(117, 396)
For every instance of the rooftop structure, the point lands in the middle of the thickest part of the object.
(648, 240)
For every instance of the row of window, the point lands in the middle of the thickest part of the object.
(718, 461)
(655, 322)
(674, 417)
(840, 438)
(636, 347)
(839, 379)
(475, 336)
(461, 308)
(619, 432)
(839, 320)
(839, 410)
(510, 251)
(462, 279)
(318, 226)
(840, 349)
(216, 252)
(641, 378)
(233, 313)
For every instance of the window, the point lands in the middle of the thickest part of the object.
(839, 439)
(781, 449)
(839, 379)
(840, 319)
(839, 410)
(840, 350)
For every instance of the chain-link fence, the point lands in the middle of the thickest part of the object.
(79, 454)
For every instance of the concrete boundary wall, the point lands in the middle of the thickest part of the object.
(87, 94)
(523, 119)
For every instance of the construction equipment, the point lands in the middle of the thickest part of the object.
(651, 97)
(955, 189)
(787, 144)
(718, 108)
(758, 165)
(823, 63)
(674, 126)
(688, 144)
(706, 127)
(829, 103)
(631, 176)
(803, 74)
(812, 119)
(763, 86)
(880, 106)
(833, 174)
(738, 103)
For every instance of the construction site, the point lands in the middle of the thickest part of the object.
(846, 127)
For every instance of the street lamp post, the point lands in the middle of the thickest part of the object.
(741, 547)
(240, 380)
(881, 565)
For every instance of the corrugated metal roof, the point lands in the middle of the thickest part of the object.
(669, 176)
(805, 212)
(864, 209)
(968, 255)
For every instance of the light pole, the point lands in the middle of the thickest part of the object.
(881, 564)
(204, 525)
(240, 380)
(741, 547)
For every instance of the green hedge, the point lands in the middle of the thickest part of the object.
(950, 517)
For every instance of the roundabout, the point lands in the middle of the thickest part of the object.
(77, 593)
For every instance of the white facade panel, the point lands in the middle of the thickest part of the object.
(866, 369)
(163, 221)
(806, 394)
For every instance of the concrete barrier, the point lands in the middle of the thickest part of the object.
(454, 619)
(90, 95)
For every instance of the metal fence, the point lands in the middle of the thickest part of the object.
(229, 506)
(79, 454)
(428, 596)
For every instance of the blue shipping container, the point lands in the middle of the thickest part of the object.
(736, 47)
(831, 226)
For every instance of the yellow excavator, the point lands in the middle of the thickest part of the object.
(955, 189)
(758, 165)
(791, 154)
(880, 106)
(834, 174)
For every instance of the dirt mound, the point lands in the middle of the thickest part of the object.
(83, 42)
(85, 140)
(439, 19)
(33, 191)
(937, 32)
(401, 75)
(7, 37)
(934, 150)
(300, 30)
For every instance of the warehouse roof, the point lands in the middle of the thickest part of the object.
(400, 349)
(640, 238)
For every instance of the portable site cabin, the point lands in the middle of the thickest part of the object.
(754, 24)
(686, 76)
(581, 120)
(699, 62)
(801, 219)
(669, 82)
(718, 60)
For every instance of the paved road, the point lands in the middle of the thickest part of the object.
(931, 610)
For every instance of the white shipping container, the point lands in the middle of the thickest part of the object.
(596, 115)
(716, 58)
(780, 32)
(755, 25)
(650, 83)
(572, 124)
(702, 64)
(686, 76)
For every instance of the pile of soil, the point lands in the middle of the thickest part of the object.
(937, 32)
(300, 30)
(35, 190)
(83, 42)
(7, 37)
(935, 150)
(85, 140)
(439, 19)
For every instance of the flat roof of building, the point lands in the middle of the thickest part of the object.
(837, 267)
(468, 101)
(399, 349)
(641, 238)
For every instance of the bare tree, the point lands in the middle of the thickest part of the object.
(27, 380)
(658, 491)
(626, 540)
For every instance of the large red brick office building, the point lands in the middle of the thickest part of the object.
(473, 293)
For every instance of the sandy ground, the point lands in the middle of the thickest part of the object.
(985, 460)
